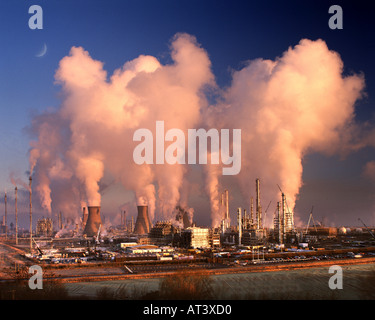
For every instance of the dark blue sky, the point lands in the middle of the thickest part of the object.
(232, 32)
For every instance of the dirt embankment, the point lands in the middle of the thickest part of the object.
(10, 259)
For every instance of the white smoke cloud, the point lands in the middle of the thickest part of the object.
(286, 108)
(299, 103)
(102, 115)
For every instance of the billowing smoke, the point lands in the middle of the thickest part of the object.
(17, 181)
(69, 229)
(213, 173)
(286, 108)
(91, 134)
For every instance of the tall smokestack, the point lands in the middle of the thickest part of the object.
(142, 224)
(31, 217)
(226, 205)
(15, 209)
(252, 211)
(245, 219)
(239, 221)
(283, 208)
(124, 218)
(93, 222)
(60, 220)
(258, 206)
(5, 222)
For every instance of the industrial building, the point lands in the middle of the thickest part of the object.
(240, 234)
(148, 249)
(143, 249)
(214, 239)
(44, 227)
(284, 230)
(162, 233)
(195, 237)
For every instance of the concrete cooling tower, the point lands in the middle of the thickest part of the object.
(143, 224)
(186, 220)
(84, 217)
(93, 222)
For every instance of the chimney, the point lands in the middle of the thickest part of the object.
(60, 221)
(5, 220)
(16, 212)
(226, 205)
(142, 225)
(283, 208)
(251, 212)
(239, 222)
(258, 206)
(93, 222)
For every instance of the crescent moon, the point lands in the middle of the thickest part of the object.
(42, 52)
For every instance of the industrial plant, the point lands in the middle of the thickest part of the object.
(140, 246)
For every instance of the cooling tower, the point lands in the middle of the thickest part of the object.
(84, 217)
(142, 225)
(93, 222)
(186, 220)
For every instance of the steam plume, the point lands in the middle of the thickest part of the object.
(299, 103)
(286, 108)
(102, 116)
